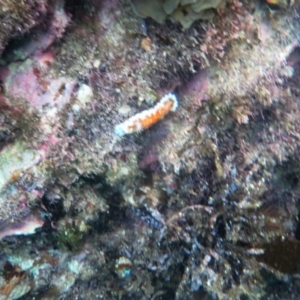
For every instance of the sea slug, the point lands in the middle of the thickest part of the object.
(149, 117)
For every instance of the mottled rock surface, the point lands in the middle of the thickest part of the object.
(203, 205)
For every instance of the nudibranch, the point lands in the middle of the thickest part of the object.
(149, 117)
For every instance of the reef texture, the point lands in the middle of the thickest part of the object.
(32, 22)
(203, 205)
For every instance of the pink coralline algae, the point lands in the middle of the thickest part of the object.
(40, 90)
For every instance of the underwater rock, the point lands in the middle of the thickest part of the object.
(182, 210)
(24, 24)
(27, 225)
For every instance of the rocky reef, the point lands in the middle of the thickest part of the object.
(202, 205)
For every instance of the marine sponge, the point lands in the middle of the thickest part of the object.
(183, 11)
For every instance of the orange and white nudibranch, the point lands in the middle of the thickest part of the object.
(149, 117)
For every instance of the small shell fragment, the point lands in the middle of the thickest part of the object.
(146, 44)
